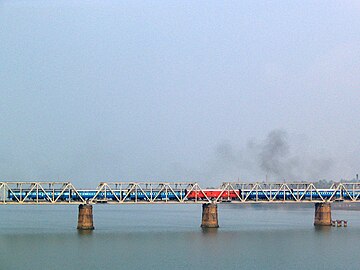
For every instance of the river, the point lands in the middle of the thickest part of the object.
(169, 237)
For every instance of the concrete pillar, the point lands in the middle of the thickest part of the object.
(209, 216)
(322, 214)
(85, 218)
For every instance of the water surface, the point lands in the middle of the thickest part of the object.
(169, 237)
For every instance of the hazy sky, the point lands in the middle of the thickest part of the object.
(205, 91)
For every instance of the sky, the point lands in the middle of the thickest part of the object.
(205, 91)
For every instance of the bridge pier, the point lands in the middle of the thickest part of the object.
(322, 214)
(209, 216)
(85, 218)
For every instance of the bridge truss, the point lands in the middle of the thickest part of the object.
(171, 193)
(149, 192)
(111, 193)
(289, 192)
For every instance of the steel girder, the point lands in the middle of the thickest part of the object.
(112, 193)
(297, 192)
(173, 192)
(128, 192)
(38, 193)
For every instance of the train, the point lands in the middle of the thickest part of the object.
(146, 195)
(15, 195)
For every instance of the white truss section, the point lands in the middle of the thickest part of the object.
(174, 192)
(149, 192)
(38, 193)
(112, 193)
(297, 192)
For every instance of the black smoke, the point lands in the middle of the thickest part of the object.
(273, 158)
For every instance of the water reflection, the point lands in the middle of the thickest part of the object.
(323, 229)
(85, 232)
(209, 231)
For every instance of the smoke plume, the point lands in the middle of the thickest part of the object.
(273, 158)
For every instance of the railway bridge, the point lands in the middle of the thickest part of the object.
(55, 193)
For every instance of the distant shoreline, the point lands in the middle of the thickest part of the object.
(346, 206)
(334, 206)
